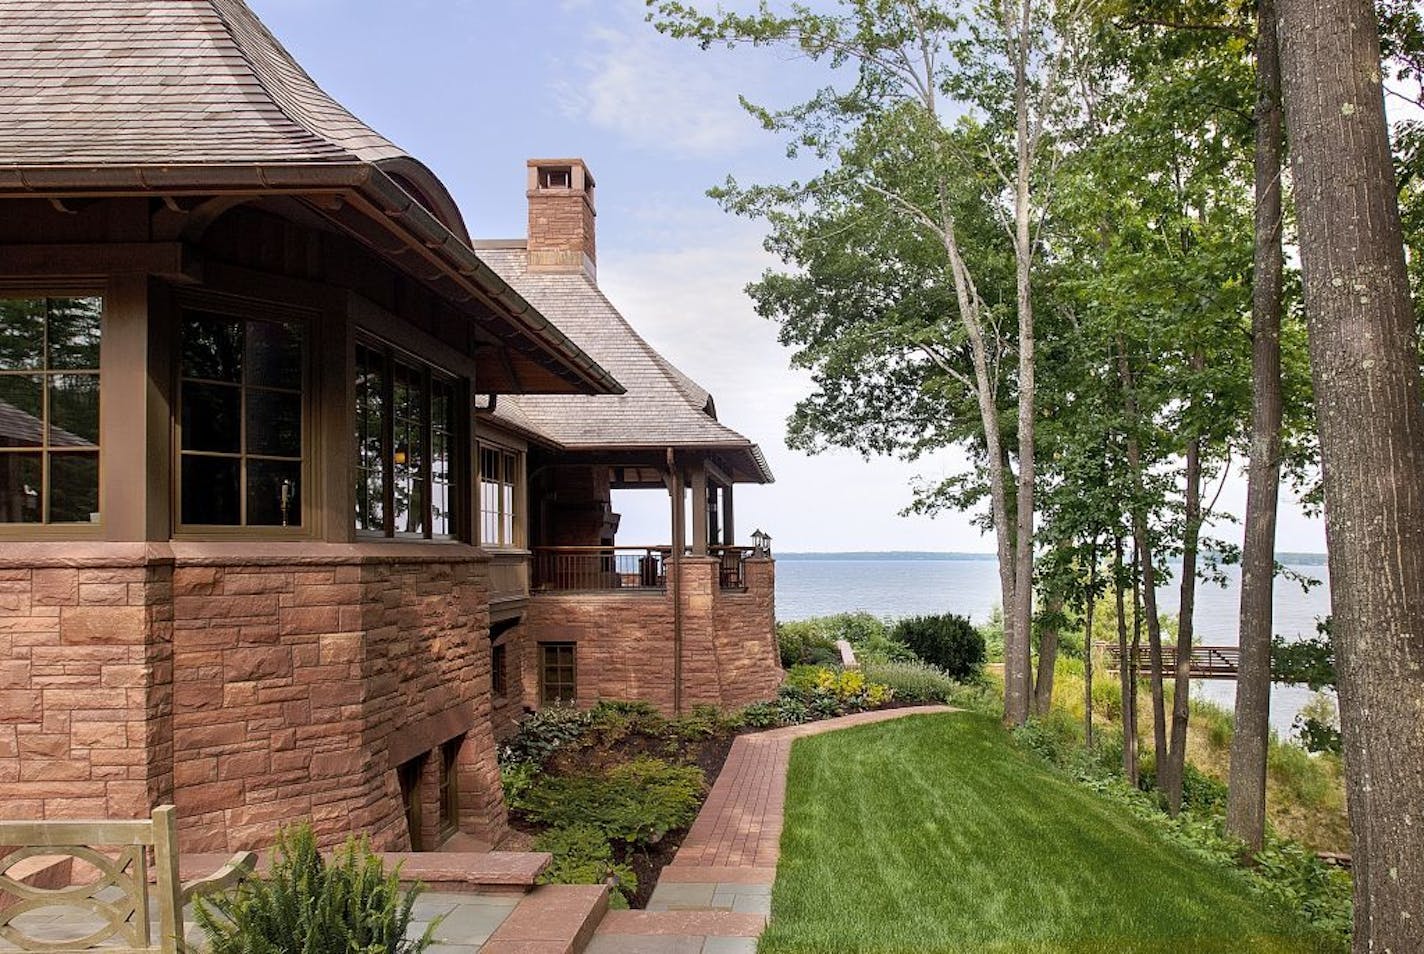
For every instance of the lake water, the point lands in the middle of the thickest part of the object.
(892, 588)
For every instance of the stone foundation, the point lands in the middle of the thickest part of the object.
(625, 645)
(251, 686)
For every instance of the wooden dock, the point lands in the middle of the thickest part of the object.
(1207, 662)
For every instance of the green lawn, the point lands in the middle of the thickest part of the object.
(932, 833)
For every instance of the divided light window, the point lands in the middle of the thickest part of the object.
(405, 445)
(49, 410)
(241, 410)
(499, 482)
(557, 685)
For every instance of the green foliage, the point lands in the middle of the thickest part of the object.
(805, 642)
(949, 641)
(543, 733)
(582, 855)
(1318, 725)
(993, 633)
(827, 692)
(813, 641)
(761, 715)
(307, 905)
(703, 722)
(1309, 661)
(913, 681)
(635, 802)
(517, 778)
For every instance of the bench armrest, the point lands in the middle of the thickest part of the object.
(240, 866)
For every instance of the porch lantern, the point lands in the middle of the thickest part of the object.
(761, 542)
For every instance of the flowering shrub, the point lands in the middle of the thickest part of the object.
(825, 692)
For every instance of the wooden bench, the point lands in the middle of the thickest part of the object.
(119, 852)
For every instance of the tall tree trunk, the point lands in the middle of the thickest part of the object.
(1017, 664)
(1000, 471)
(1136, 653)
(1047, 656)
(1126, 675)
(1091, 602)
(1142, 546)
(1173, 774)
(1246, 792)
(1364, 352)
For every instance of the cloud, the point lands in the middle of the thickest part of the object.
(657, 94)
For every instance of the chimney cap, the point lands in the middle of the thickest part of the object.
(572, 174)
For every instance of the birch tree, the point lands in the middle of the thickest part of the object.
(989, 74)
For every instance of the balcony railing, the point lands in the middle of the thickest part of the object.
(626, 568)
(600, 568)
(732, 566)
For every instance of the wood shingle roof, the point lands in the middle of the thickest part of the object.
(94, 82)
(662, 406)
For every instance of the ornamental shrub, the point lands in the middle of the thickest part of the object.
(949, 641)
(307, 905)
(825, 692)
(582, 855)
(912, 681)
(636, 802)
(543, 733)
(805, 641)
(760, 715)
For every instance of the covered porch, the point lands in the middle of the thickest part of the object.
(575, 528)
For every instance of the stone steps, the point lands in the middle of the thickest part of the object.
(551, 919)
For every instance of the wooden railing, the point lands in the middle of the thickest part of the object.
(732, 572)
(626, 568)
(1207, 662)
(600, 568)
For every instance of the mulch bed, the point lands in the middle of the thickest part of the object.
(708, 754)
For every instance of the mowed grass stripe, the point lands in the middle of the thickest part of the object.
(933, 833)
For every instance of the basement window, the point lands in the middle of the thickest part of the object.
(557, 685)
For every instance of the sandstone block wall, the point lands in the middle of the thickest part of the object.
(250, 692)
(300, 690)
(86, 679)
(625, 641)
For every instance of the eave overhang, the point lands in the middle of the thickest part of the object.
(337, 189)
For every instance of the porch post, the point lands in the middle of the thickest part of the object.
(699, 509)
(728, 539)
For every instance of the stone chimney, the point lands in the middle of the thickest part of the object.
(561, 212)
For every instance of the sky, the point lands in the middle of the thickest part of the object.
(473, 88)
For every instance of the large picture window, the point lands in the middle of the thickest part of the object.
(499, 496)
(49, 410)
(405, 445)
(241, 411)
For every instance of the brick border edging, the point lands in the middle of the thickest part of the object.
(738, 831)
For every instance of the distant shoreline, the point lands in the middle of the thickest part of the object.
(918, 556)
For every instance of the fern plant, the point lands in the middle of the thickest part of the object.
(308, 905)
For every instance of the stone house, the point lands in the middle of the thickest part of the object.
(305, 495)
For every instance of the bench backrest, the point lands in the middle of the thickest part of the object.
(118, 896)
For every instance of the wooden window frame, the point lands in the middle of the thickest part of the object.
(545, 684)
(456, 431)
(514, 517)
(249, 309)
(44, 529)
(448, 787)
(499, 670)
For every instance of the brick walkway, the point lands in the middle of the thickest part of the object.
(716, 894)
